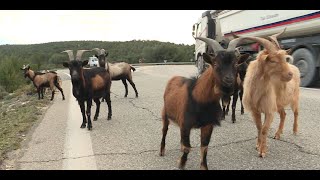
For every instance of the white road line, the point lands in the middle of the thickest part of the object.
(67, 74)
(78, 153)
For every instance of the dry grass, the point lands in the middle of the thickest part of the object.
(18, 112)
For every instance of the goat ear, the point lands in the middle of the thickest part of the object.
(207, 58)
(85, 62)
(264, 57)
(243, 58)
(96, 56)
(107, 54)
(289, 51)
(65, 64)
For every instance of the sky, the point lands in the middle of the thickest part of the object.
(42, 26)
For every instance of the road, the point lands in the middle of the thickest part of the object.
(131, 140)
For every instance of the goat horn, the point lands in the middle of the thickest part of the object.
(79, 54)
(274, 39)
(70, 53)
(269, 46)
(97, 50)
(233, 44)
(102, 51)
(212, 43)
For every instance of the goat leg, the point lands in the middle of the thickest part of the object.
(88, 112)
(185, 146)
(38, 91)
(165, 122)
(234, 105)
(96, 115)
(84, 120)
(125, 86)
(240, 95)
(108, 100)
(282, 120)
(206, 132)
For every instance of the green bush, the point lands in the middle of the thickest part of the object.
(3, 92)
(11, 77)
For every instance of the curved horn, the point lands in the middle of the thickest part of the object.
(102, 51)
(212, 43)
(79, 54)
(274, 39)
(269, 46)
(97, 50)
(70, 53)
(233, 44)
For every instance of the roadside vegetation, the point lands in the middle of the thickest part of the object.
(18, 112)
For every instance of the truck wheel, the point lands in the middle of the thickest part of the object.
(200, 65)
(304, 60)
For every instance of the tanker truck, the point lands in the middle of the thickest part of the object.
(302, 35)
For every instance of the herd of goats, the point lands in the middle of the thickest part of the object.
(265, 85)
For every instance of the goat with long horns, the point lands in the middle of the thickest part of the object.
(88, 85)
(195, 103)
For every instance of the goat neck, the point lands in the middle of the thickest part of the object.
(31, 75)
(207, 87)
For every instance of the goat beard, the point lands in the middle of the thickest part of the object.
(227, 91)
(76, 92)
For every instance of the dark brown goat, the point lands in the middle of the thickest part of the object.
(88, 84)
(238, 88)
(118, 71)
(194, 103)
(42, 80)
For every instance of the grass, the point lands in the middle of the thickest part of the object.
(18, 112)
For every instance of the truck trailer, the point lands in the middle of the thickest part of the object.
(302, 35)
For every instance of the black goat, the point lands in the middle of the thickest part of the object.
(194, 103)
(88, 84)
(238, 88)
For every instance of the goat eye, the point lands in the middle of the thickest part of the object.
(288, 59)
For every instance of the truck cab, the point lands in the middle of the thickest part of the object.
(208, 27)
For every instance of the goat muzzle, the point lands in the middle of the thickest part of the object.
(287, 77)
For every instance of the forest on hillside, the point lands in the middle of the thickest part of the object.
(49, 56)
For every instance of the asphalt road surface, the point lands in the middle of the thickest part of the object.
(131, 140)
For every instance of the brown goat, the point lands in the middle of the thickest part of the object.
(194, 103)
(42, 80)
(118, 71)
(271, 84)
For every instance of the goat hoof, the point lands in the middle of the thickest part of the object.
(161, 153)
(82, 126)
(233, 121)
(89, 128)
(203, 167)
(182, 164)
(109, 118)
(262, 155)
(277, 137)
(95, 119)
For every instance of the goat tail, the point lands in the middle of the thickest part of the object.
(133, 69)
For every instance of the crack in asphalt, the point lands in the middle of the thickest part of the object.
(300, 149)
(152, 113)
